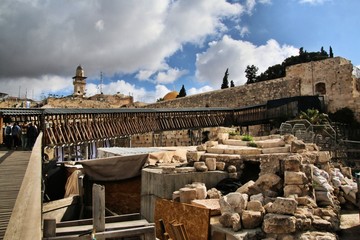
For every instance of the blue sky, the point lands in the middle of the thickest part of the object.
(148, 48)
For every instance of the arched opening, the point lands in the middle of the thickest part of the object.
(320, 88)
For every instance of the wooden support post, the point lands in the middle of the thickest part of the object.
(49, 228)
(98, 205)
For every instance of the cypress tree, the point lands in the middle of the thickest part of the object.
(225, 83)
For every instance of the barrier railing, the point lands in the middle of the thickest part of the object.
(25, 221)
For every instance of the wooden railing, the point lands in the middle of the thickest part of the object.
(25, 221)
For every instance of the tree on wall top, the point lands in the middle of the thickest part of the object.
(225, 83)
(232, 83)
(251, 73)
(182, 92)
(331, 54)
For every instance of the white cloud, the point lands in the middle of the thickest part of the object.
(193, 91)
(169, 76)
(37, 88)
(236, 55)
(314, 2)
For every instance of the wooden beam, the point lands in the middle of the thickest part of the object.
(98, 208)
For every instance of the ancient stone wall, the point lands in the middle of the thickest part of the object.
(240, 96)
(332, 78)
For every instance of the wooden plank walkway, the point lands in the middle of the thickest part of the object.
(13, 165)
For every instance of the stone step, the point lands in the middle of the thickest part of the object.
(235, 142)
(241, 150)
(285, 149)
(270, 143)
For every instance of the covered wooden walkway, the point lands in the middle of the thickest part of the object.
(13, 166)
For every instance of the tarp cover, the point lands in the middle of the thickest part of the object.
(114, 168)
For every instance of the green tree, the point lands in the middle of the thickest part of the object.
(225, 83)
(251, 72)
(232, 83)
(159, 99)
(331, 54)
(314, 116)
(182, 92)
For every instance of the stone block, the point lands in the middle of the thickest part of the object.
(245, 188)
(231, 169)
(216, 150)
(269, 181)
(323, 157)
(233, 202)
(251, 219)
(279, 224)
(282, 206)
(194, 156)
(231, 220)
(299, 190)
(220, 166)
(210, 163)
(210, 144)
(257, 197)
(200, 166)
(247, 151)
(187, 195)
(297, 146)
(322, 225)
(234, 142)
(285, 149)
(255, 205)
(212, 204)
(270, 143)
(270, 164)
(295, 178)
(292, 163)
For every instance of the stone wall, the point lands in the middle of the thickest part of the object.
(240, 96)
(332, 78)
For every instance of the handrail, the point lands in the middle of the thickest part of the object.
(25, 220)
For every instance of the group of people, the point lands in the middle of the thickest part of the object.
(24, 135)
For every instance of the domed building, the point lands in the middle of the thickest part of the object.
(171, 95)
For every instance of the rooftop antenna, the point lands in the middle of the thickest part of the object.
(101, 82)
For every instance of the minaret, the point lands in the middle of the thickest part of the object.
(79, 82)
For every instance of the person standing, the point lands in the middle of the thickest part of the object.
(32, 133)
(15, 133)
(24, 138)
(8, 138)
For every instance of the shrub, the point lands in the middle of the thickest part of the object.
(252, 144)
(247, 138)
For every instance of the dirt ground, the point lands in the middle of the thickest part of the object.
(350, 225)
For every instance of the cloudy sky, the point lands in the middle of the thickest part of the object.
(148, 48)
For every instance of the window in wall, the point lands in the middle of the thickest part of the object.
(320, 88)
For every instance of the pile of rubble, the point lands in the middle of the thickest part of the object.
(297, 194)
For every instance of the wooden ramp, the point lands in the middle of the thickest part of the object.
(13, 165)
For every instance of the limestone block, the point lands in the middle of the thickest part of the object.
(247, 151)
(323, 198)
(321, 224)
(323, 157)
(346, 171)
(201, 147)
(245, 188)
(187, 195)
(220, 166)
(216, 150)
(229, 150)
(251, 219)
(233, 202)
(271, 143)
(168, 169)
(270, 164)
(194, 156)
(297, 146)
(201, 191)
(285, 149)
(233, 142)
(255, 205)
(210, 163)
(210, 144)
(257, 197)
(309, 157)
(212, 204)
(295, 178)
(213, 193)
(282, 206)
(288, 138)
(299, 190)
(279, 224)
(292, 163)
(269, 181)
(200, 166)
(176, 196)
(231, 169)
(231, 220)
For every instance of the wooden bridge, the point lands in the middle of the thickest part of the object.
(68, 127)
